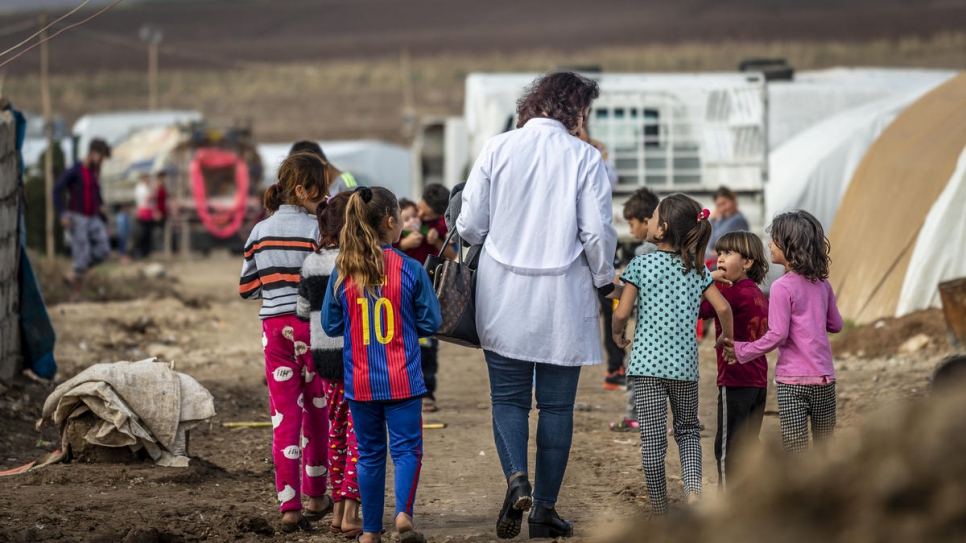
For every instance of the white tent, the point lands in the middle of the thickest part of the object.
(116, 127)
(812, 169)
(372, 162)
(937, 256)
(813, 96)
(900, 228)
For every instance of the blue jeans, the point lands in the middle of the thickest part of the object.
(511, 383)
(404, 420)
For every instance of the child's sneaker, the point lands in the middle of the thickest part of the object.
(625, 425)
(615, 380)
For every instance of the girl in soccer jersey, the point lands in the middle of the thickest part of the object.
(382, 302)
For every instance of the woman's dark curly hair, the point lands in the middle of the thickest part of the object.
(563, 96)
(801, 237)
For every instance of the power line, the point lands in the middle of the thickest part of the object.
(58, 33)
(44, 29)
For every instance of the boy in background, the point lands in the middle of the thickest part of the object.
(428, 239)
(637, 212)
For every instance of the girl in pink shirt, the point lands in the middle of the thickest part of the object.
(801, 312)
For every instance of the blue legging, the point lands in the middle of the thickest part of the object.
(405, 424)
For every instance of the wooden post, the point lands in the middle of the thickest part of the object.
(153, 74)
(953, 297)
(49, 133)
(409, 95)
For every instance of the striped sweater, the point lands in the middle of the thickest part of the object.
(274, 254)
(326, 350)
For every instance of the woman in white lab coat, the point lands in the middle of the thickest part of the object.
(539, 200)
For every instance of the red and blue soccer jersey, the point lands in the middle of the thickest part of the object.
(381, 353)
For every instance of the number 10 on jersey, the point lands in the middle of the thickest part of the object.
(384, 322)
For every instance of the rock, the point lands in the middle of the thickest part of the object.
(153, 271)
(164, 352)
(915, 343)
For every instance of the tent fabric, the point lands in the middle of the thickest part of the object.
(372, 162)
(794, 106)
(887, 203)
(812, 170)
(938, 255)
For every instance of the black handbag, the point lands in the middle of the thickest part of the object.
(454, 282)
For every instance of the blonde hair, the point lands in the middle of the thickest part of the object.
(360, 251)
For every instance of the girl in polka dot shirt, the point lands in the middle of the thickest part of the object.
(669, 286)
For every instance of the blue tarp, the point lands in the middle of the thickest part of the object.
(36, 331)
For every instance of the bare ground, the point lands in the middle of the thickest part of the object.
(229, 494)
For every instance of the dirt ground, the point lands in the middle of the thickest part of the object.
(228, 494)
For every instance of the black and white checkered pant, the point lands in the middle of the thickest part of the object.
(651, 395)
(798, 403)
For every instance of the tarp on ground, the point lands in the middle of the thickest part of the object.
(138, 404)
(886, 207)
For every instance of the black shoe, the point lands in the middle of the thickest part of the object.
(545, 522)
(518, 499)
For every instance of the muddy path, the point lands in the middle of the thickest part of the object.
(228, 494)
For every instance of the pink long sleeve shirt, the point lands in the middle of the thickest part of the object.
(800, 313)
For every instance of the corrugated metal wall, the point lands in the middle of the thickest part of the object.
(9, 249)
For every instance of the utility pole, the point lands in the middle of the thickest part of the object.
(152, 36)
(49, 133)
(409, 95)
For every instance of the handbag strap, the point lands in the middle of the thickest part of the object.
(459, 250)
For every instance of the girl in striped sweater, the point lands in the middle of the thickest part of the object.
(327, 358)
(274, 254)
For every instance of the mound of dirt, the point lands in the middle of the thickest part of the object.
(886, 337)
(108, 282)
(902, 479)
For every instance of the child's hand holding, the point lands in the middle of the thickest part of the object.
(719, 277)
(729, 349)
(620, 340)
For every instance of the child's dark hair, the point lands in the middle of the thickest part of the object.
(360, 249)
(304, 170)
(436, 197)
(306, 146)
(331, 217)
(801, 237)
(725, 192)
(750, 247)
(640, 205)
(686, 229)
(406, 203)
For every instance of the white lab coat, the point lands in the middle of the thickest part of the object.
(542, 201)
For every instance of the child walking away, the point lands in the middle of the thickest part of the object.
(327, 359)
(742, 388)
(801, 313)
(274, 255)
(382, 302)
(668, 287)
(637, 212)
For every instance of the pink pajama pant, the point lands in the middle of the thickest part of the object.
(300, 417)
(343, 452)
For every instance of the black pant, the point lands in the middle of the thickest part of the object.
(146, 238)
(430, 362)
(615, 355)
(740, 412)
